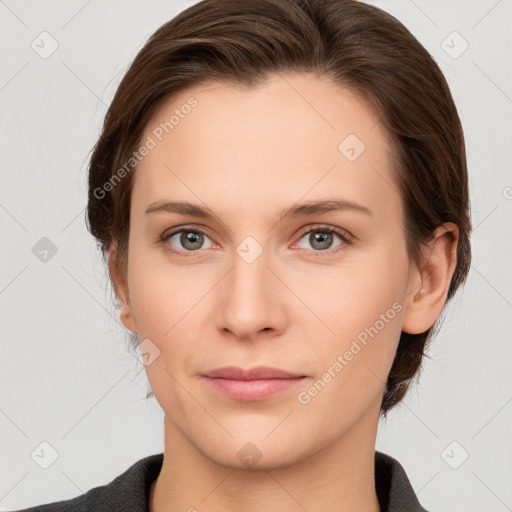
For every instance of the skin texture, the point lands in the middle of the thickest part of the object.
(247, 155)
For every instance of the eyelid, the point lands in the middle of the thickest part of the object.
(342, 233)
(188, 227)
(347, 239)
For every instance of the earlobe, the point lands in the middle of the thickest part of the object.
(121, 289)
(127, 318)
(429, 285)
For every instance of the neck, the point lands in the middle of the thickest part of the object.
(340, 477)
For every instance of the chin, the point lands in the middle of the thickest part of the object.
(253, 449)
(255, 457)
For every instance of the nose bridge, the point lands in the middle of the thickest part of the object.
(250, 297)
(250, 275)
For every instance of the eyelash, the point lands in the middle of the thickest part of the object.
(346, 239)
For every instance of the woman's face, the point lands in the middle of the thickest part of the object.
(248, 286)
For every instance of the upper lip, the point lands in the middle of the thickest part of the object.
(259, 372)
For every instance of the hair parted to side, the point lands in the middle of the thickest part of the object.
(353, 44)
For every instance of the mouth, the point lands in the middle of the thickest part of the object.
(253, 384)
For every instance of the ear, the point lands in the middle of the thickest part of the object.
(429, 284)
(121, 289)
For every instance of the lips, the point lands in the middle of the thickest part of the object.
(257, 373)
(254, 384)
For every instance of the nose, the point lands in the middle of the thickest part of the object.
(252, 299)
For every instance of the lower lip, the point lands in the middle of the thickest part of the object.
(247, 390)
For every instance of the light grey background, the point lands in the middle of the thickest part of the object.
(66, 376)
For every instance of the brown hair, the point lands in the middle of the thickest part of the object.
(357, 46)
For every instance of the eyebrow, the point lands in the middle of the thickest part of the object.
(292, 212)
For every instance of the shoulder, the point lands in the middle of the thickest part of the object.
(394, 489)
(127, 492)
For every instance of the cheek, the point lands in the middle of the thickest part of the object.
(361, 309)
(353, 297)
(160, 295)
(167, 303)
(163, 304)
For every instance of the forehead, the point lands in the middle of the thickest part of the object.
(293, 137)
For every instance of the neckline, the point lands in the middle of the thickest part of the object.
(393, 487)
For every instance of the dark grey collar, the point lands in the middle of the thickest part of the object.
(394, 490)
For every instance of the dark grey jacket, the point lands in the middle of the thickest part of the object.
(129, 492)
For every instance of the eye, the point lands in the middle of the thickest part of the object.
(321, 239)
(190, 240)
